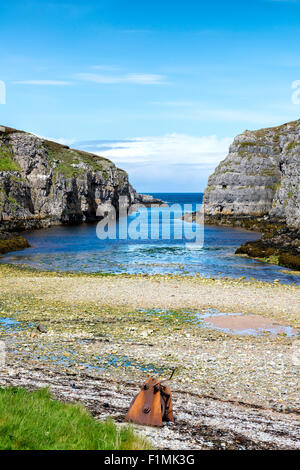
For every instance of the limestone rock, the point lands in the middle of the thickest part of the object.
(257, 186)
(43, 183)
(259, 181)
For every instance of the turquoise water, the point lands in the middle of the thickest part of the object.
(12, 325)
(77, 248)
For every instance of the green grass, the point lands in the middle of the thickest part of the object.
(6, 161)
(274, 187)
(273, 259)
(248, 144)
(35, 421)
(292, 145)
(68, 157)
(270, 172)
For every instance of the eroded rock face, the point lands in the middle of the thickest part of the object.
(43, 183)
(259, 181)
(257, 186)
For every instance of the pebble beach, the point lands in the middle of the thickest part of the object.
(96, 338)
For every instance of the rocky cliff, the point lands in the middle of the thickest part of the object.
(257, 186)
(258, 182)
(43, 183)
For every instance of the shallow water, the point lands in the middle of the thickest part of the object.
(206, 319)
(78, 249)
(248, 325)
(11, 325)
(101, 362)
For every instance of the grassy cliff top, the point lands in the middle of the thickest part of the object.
(276, 130)
(68, 161)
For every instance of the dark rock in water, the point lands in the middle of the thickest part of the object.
(256, 249)
(41, 328)
(289, 260)
(257, 187)
(147, 200)
(283, 246)
(12, 242)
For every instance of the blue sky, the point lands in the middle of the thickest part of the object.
(160, 87)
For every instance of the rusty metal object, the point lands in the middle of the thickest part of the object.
(152, 405)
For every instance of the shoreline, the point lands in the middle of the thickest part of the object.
(31, 270)
(278, 243)
(12, 268)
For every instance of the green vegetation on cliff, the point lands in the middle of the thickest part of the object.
(70, 159)
(44, 183)
(6, 161)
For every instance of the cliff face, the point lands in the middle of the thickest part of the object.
(43, 183)
(257, 186)
(259, 181)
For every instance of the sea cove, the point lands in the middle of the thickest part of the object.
(150, 228)
(77, 248)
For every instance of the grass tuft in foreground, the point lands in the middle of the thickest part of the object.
(35, 421)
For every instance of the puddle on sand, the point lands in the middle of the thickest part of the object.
(230, 323)
(248, 325)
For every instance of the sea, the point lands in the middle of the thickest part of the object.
(155, 243)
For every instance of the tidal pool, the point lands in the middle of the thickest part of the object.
(230, 323)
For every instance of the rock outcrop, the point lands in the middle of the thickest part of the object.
(258, 182)
(43, 183)
(12, 242)
(257, 187)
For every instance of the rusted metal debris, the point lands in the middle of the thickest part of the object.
(152, 405)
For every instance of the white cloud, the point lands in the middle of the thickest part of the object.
(42, 82)
(173, 162)
(170, 149)
(63, 141)
(138, 78)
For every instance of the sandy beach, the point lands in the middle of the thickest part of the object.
(104, 335)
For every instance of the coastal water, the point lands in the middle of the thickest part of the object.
(77, 248)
